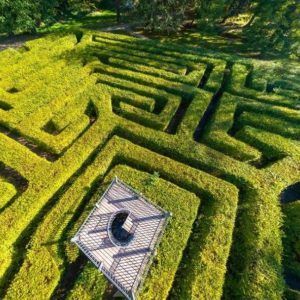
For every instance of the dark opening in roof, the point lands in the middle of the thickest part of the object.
(120, 228)
(118, 232)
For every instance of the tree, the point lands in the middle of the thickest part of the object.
(235, 7)
(19, 15)
(275, 26)
(77, 5)
(293, 44)
(209, 12)
(161, 15)
(117, 9)
(15, 16)
(24, 15)
(168, 15)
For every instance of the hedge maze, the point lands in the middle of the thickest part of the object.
(221, 131)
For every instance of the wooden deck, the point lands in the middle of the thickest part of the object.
(124, 266)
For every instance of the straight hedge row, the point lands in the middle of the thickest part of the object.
(264, 70)
(7, 192)
(104, 55)
(259, 275)
(159, 57)
(237, 83)
(265, 232)
(216, 132)
(145, 159)
(41, 53)
(291, 240)
(90, 285)
(144, 79)
(189, 61)
(272, 145)
(269, 123)
(192, 78)
(194, 113)
(45, 178)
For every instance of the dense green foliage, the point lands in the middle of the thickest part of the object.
(275, 25)
(291, 241)
(270, 26)
(165, 16)
(19, 16)
(174, 241)
(168, 15)
(88, 105)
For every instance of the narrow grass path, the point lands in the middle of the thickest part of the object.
(124, 27)
(18, 41)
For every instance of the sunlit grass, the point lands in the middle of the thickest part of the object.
(94, 20)
(207, 40)
(240, 20)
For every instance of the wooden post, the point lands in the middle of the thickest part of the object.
(100, 267)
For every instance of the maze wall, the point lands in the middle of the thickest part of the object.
(223, 133)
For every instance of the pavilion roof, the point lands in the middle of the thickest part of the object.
(126, 266)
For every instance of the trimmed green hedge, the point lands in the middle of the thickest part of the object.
(107, 101)
(237, 83)
(292, 295)
(47, 178)
(268, 123)
(165, 103)
(287, 84)
(291, 240)
(193, 78)
(69, 124)
(216, 132)
(194, 113)
(143, 79)
(24, 68)
(284, 113)
(89, 286)
(7, 191)
(193, 62)
(272, 145)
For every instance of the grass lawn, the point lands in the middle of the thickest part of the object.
(96, 20)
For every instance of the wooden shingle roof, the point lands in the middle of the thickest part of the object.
(126, 266)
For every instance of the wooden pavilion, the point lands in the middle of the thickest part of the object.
(121, 235)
